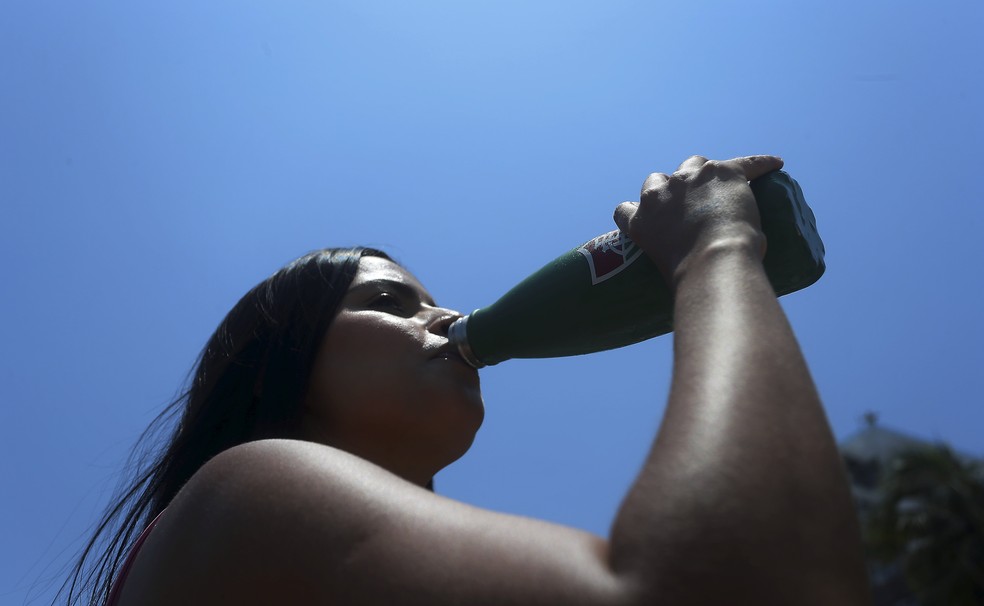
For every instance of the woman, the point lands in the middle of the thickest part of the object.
(329, 397)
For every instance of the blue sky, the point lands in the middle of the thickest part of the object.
(158, 160)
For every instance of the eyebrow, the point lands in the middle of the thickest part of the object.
(402, 288)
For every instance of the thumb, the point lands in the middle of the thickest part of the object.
(755, 166)
(623, 213)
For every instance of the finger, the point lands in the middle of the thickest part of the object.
(755, 166)
(623, 213)
(691, 164)
(653, 181)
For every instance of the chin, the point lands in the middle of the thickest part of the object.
(459, 443)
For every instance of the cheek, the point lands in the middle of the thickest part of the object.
(365, 363)
(374, 381)
(352, 404)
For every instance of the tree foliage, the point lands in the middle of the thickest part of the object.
(930, 520)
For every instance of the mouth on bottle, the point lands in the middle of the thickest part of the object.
(458, 335)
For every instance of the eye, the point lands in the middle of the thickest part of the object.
(387, 301)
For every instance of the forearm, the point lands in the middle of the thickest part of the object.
(743, 492)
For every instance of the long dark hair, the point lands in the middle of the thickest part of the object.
(248, 384)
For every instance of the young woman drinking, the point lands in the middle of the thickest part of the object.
(329, 397)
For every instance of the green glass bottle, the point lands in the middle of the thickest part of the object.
(607, 293)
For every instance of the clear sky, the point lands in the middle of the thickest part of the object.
(159, 159)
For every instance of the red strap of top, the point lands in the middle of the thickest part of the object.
(117, 588)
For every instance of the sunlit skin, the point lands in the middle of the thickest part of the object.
(385, 384)
(741, 500)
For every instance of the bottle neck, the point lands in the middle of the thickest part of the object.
(458, 335)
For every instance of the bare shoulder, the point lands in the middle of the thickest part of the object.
(290, 521)
(218, 523)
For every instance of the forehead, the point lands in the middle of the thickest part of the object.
(376, 269)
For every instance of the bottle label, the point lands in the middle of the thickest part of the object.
(608, 254)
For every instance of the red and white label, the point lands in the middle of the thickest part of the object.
(609, 254)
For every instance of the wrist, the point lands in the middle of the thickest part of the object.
(736, 247)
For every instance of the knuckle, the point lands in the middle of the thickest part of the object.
(652, 184)
(714, 164)
(678, 182)
(649, 192)
(625, 211)
(730, 168)
(707, 169)
(717, 168)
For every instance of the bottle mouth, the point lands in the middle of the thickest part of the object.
(458, 335)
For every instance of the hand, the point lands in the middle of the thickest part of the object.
(705, 204)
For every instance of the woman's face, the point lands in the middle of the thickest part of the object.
(386, 385)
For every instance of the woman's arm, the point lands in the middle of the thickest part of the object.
(742, 496)
(744, 480)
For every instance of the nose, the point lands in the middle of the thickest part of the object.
(442, 320)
